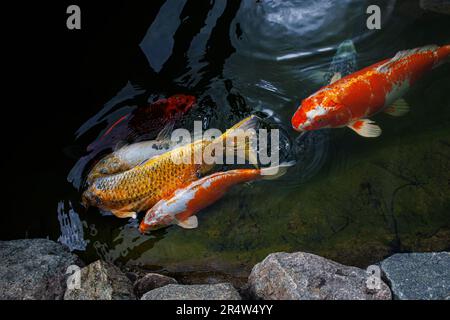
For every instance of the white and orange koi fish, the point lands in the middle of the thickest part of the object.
(181, 208)
(351, 100)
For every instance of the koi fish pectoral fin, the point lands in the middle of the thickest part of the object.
(398, 109)
(366, 128)
(189, 223)
(124, 214)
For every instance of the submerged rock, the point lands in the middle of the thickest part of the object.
(221, 291)
(304, 276)
(152, 281)
(34, 269)
(418, 276)
(101, 281)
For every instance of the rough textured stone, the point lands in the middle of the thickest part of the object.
(304, 276)
(101, 281)
(418, 275)
(221, 291)
(34, 269)
(152, 281)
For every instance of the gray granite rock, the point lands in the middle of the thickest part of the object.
(304, 276)
(152, 281)
(221, 291)
(34, 269)
(418, 276)
(101, 281)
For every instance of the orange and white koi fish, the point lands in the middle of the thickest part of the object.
(350, 101)
(181, 208)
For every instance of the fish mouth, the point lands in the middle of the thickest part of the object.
(145, 228)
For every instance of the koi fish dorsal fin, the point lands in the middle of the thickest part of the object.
(403, 54)
(189, 223)
(366, 128)
(245, 131)
(119, 145)
(166, 133)
(398, 108)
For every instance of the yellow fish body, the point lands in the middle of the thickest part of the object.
(128, 157)
(141, 187)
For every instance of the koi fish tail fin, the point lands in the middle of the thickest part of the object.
(272, 173)
(241, 140)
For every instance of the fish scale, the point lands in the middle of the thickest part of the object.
(141, 187)
(144, 185)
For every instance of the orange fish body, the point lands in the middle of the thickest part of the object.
(351, 100)
(182, 207)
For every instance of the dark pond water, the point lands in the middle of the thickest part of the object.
(351, 199)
